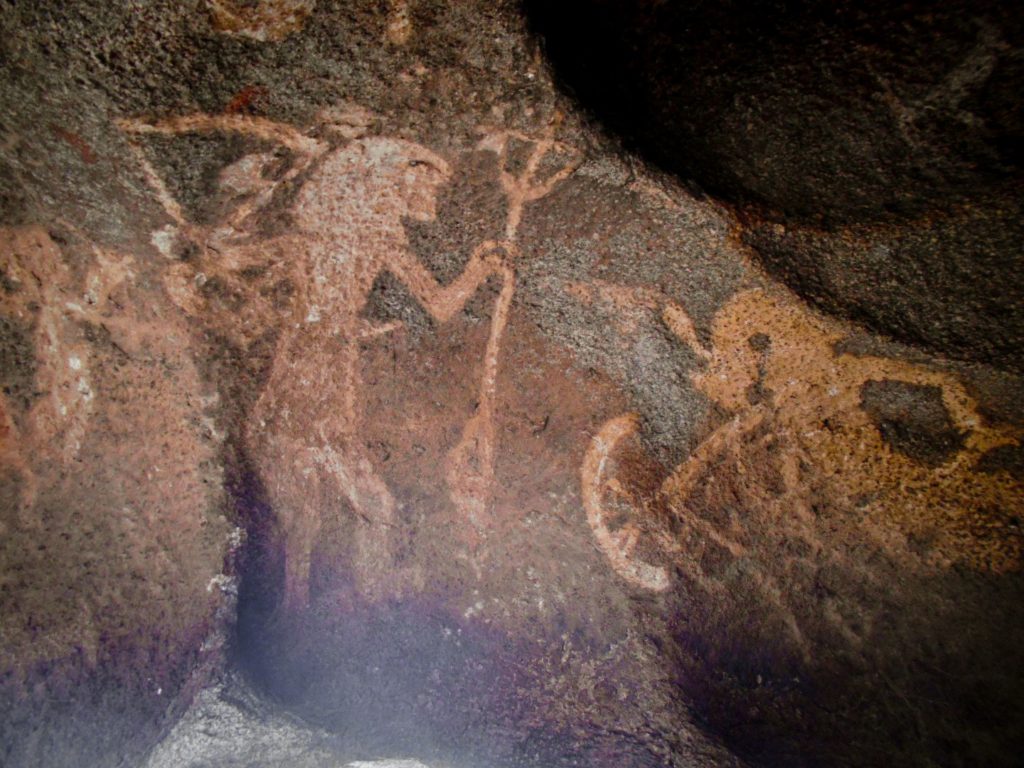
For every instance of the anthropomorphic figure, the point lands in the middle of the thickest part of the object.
(43, 294)
(305, 428)
(348, 229)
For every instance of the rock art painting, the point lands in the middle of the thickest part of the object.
(41, 291)
(111, 537)
(471, 464)
(773, 367)
(355, 192)
(369, 390)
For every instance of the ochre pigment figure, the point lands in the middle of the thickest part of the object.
(45, 294)
(348, 218)
(773, 366)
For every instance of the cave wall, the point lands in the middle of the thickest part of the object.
(342, 347)
(872, 149)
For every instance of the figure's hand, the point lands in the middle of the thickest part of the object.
(497, 253)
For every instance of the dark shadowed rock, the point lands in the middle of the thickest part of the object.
(874, 149)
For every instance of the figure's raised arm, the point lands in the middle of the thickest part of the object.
(443, 301)
(304, 148)
(471, 462)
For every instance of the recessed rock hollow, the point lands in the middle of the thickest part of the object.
(476, 384)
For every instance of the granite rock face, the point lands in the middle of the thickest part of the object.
(366, 399)
(873, 149)
(113, 528)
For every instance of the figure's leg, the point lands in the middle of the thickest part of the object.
(291, 474)
(375, 565)
(728, 436)
(12, 460)
(299, 538)
(354, 478)
(348, 473)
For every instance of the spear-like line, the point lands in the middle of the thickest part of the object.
(471, 463)
(305, 148)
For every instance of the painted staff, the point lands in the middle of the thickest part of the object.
(332, 211)
(471, 463)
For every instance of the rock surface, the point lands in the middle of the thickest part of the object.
(231, 725)
(112, 516)
(873, 149)
(508, 451)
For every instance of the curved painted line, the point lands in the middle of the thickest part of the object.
(617, 548)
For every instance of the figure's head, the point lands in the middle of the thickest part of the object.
(411, 174)
(376, 179)
(758, 336)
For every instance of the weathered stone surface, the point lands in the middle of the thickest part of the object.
(112, 504)
(873, 148)
(230, 724)
(535, 468)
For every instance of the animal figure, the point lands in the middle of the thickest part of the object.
(796, 402)
(43, 294)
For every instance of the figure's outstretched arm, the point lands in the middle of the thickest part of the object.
(306, 149)
(258, 127)
(960, 405)
(443, 301)
(471, 463)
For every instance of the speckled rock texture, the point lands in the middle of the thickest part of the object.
(112, 511)
(873, 149)
(364, 399)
